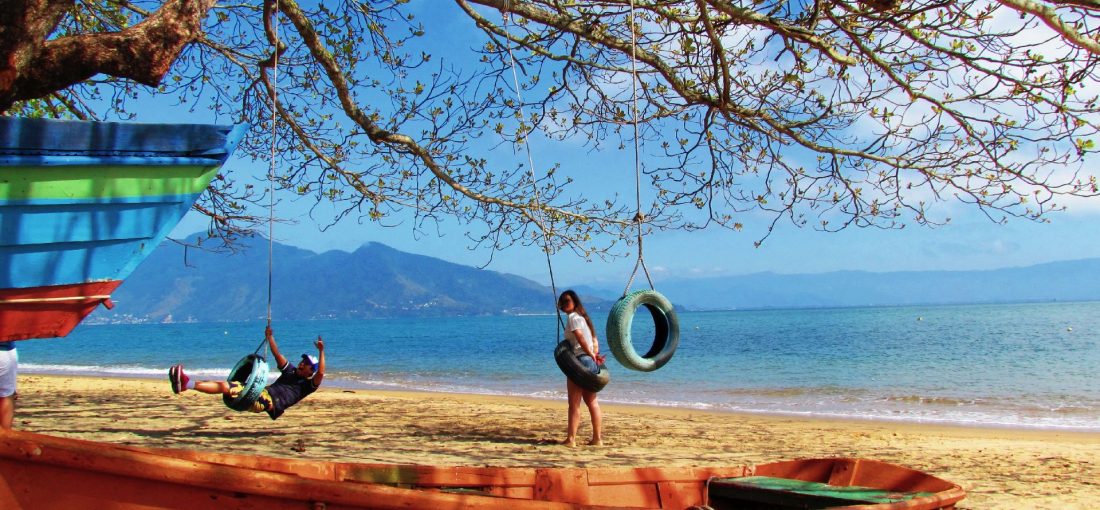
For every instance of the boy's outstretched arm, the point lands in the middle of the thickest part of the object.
(320, 344)
(280, 361)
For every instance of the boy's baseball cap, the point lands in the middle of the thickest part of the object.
(312, 360)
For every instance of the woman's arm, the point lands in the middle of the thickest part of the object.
(587, 345)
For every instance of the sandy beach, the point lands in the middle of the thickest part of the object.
(999, 468)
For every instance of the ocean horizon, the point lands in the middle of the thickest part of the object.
(1023, 365)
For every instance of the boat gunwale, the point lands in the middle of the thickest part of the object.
(393, 485)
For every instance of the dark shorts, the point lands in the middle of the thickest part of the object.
(588, 363)
(263, 403)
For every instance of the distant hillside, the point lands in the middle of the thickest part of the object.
(379, 281)
(373, 281)
(1056, 281)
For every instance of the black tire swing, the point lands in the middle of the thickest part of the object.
(667, 327)
(564, 355)
(571, 366)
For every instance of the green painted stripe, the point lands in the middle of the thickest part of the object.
(101, 182)
(817, 489)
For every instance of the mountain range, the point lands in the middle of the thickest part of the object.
(186, 284)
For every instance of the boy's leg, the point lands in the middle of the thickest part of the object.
(180, 383)
(212, 387)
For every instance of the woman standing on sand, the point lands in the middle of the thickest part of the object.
(580, 333)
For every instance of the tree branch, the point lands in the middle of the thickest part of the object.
(35, 66)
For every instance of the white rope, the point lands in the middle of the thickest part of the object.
(271, 174)
(534, 182)
(271, 168)
(639, 218)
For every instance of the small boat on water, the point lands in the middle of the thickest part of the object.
(83, 203)
(43, 472)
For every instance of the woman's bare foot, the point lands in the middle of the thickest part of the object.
(595, 442)
(569, 441)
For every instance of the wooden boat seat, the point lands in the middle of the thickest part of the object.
(772, 492)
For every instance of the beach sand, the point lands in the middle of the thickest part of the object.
(999, 468)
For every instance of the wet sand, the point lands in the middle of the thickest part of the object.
(999, 468)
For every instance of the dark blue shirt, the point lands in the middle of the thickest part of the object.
(287, 390)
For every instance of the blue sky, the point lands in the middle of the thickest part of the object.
(970, 242)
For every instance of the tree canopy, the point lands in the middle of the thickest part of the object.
(826, 114)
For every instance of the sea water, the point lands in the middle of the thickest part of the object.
(1014, 365)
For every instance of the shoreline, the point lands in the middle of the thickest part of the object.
(999, 468)
(335, 383)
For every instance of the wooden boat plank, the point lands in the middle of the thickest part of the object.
(44, 312)
(864, 472)
(682, 494)
(441, 476)
(35, 468)
(601, 476)
(42, 465)
(565, 484)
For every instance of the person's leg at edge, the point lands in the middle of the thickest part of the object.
(574, 392)
(7, 411)
(596, 415)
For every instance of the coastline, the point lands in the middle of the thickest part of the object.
(998, 467)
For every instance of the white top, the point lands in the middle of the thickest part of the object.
(9, 365)
(575, 322)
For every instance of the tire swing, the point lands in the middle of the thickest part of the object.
(564, 355)
(571, 366)
(251, 371)
(667, 335)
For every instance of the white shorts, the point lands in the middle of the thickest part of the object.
(9, 364)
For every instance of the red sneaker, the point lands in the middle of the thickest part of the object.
(178, 379)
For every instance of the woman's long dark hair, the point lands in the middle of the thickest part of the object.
(578, 308)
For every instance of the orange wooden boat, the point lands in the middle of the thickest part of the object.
(44, 472)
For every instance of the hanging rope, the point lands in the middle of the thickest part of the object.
(666, 335)
(251, 372)
(639, 218)
(271, 168)
(534, 182)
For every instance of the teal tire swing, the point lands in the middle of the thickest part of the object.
(666, 336)
(251, 371)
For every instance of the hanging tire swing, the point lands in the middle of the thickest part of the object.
(251, 372)
(578, 373)
(665, 339)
